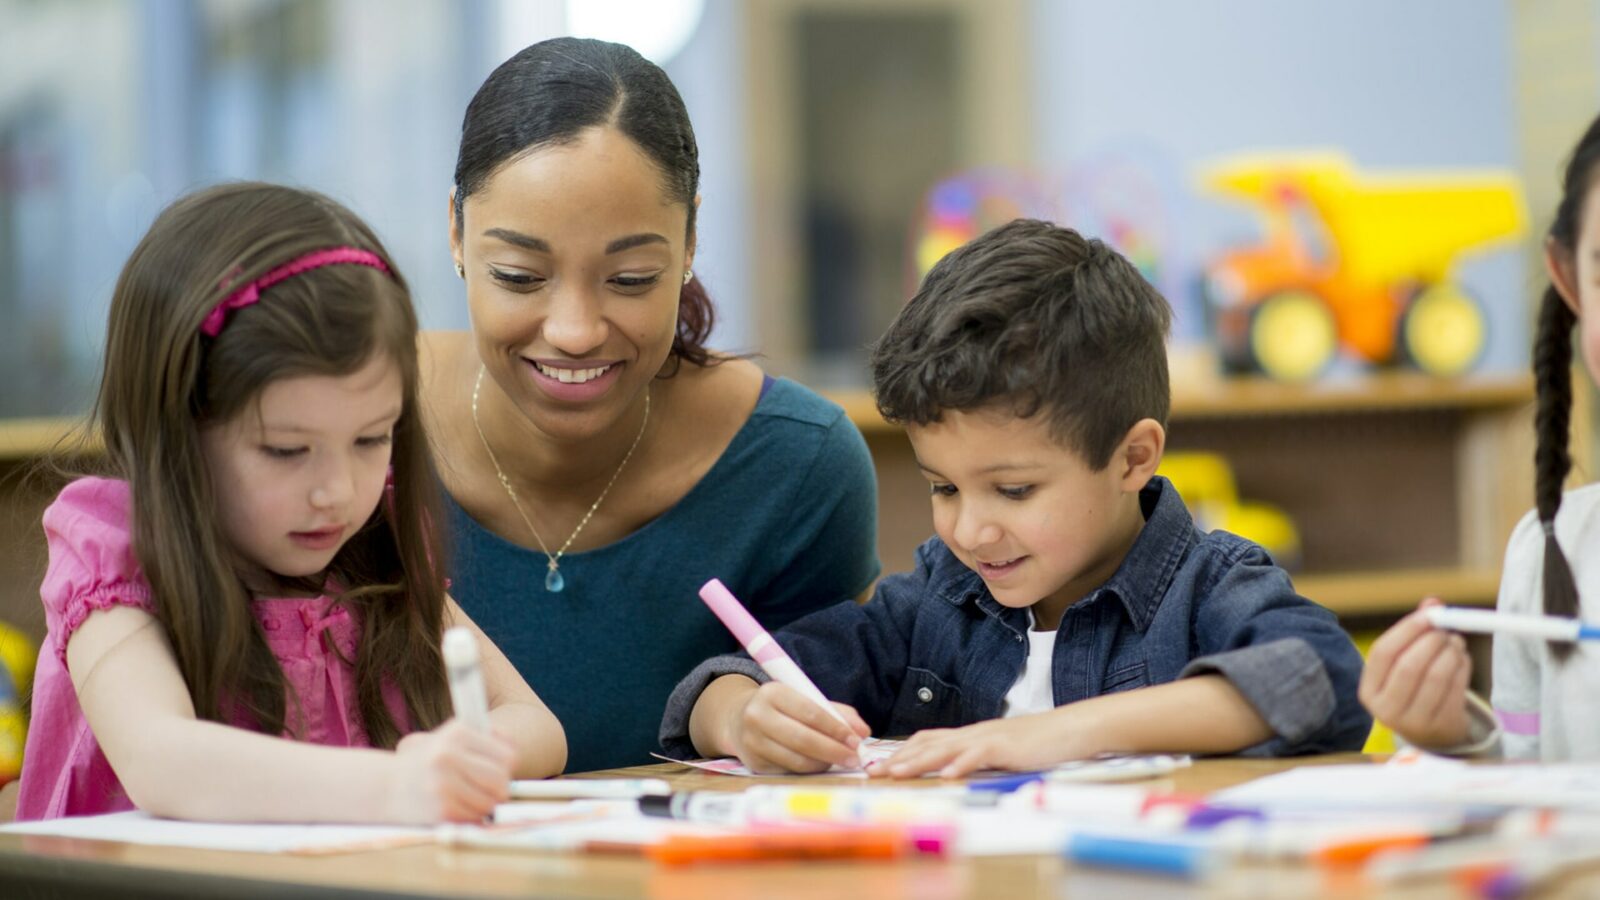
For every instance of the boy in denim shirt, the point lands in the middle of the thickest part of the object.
(1068, 606)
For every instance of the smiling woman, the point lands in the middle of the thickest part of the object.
(600, 462)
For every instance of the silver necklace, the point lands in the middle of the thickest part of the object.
(553, 582)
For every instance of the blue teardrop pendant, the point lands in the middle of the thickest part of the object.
(553, 582)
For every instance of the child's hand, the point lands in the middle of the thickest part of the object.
(779, 730)
(1025, 743)
(1415, 682)
(453, 773)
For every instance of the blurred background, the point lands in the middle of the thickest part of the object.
(825, 126)
(1391, 165)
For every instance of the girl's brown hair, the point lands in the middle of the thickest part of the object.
(164, 381)
(1552, 371)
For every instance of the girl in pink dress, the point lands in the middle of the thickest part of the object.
(245, 612)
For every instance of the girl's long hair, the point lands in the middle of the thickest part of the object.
(1552, 370)
(164, 381)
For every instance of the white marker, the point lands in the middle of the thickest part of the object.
(1488, 621)
(589, 788)
(467, 692)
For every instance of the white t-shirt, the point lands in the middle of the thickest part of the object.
(1550, 710)
(1035, 690)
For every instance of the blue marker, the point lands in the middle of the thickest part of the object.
(1007, 784)
(1177, 859)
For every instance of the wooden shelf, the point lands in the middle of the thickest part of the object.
(1396, 592)
(1217, 398)
(22, 439)
(1211, 399)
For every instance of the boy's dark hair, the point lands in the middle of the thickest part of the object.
(1552, 371)
(1036, 316)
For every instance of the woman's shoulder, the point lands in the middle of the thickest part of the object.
(782, 415)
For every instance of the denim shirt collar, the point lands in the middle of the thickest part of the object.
(1146, 572)
(1140, 582)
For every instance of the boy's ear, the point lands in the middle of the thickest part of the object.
(1140, 454)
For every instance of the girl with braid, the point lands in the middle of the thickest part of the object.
(1544, 694)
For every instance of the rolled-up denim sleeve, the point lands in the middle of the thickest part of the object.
(1287, 656)
(680, 703)
(855, 653)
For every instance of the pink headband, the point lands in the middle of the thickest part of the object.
(316, 259)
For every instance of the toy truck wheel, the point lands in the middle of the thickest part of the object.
(1442, 331)
(1293, 336)
(1232, 330)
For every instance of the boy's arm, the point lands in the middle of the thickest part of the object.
(1285, 655)
(515, 711)
(856, 654)
(175, 765)
(1204, 714)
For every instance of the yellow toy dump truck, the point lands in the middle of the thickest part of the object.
(1359, 260)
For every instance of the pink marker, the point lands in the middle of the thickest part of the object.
(760, 645)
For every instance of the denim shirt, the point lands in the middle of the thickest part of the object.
(933, 648)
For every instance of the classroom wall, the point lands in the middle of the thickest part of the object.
(124, 129)
(1170, 84)
(1415, 84)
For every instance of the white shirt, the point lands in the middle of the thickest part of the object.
(1550, 710)
(1035, 690)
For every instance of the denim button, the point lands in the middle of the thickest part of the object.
(924, 694)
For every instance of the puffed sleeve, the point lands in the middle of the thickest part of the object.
(92, 566)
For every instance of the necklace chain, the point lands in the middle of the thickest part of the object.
(555, 558)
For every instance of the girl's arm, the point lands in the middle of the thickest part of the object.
(175, 765)
(515, 710)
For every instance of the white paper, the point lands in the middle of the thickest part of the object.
(139, 828)
(873, 750)
(1431, 781)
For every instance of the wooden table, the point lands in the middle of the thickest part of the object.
(33, 866)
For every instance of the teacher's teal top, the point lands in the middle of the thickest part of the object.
(786, 517)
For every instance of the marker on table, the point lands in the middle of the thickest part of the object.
(467, 692)
(588, 788)
(1488, 621)
(831, 842)
(1161, 856)
(762, 648)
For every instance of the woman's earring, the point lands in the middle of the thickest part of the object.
(461, 271)
(688, 275)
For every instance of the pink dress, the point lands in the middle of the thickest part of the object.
(92, 567)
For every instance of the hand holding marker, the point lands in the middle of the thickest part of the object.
(1488, 621)
(467, 692)
(762, 648)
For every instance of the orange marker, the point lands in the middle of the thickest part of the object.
(778, 844)
(1358, 850)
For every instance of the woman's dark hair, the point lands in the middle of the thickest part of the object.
(1552, 370)
(551, 92)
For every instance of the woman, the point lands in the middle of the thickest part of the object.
(601, 463)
